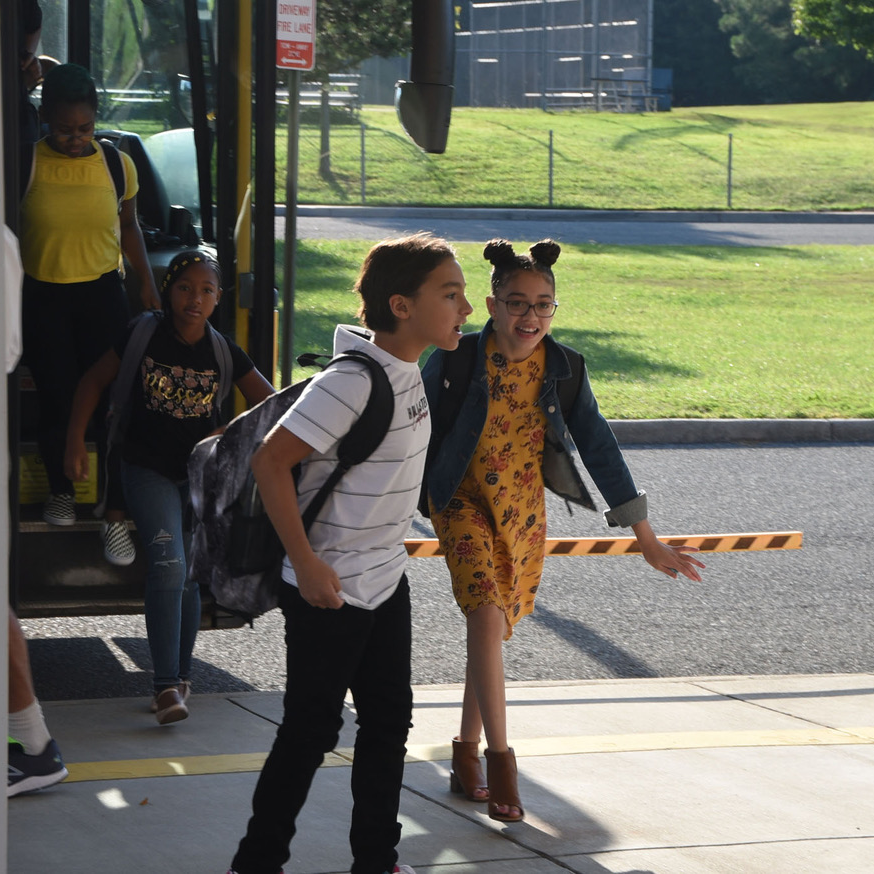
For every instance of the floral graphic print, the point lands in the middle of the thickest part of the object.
(181, 392)
(493, 531)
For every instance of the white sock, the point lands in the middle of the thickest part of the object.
(28, 727)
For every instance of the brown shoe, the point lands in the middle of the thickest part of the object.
(466, 777)
(184, 692)
(503, 787)
(169, 706)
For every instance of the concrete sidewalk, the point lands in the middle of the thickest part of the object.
(718, 775)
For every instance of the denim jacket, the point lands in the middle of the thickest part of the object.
(586, 431)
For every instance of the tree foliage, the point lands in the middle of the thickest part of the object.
(779, 66)
(349, 31)
(688, 40)
(845, 22)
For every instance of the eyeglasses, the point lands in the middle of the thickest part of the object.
(518, 307)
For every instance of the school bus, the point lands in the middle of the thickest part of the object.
(188, 89)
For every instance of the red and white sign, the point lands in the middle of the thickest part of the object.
(295, 34)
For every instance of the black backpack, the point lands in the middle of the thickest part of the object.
(558, 466)
(235, 551)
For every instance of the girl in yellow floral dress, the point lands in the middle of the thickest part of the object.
(485, 484)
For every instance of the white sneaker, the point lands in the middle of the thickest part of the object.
(118, 547)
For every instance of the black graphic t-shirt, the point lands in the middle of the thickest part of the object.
(175, 401)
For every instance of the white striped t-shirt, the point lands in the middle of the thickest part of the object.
(361, 528)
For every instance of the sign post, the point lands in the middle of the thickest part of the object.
(295, 51)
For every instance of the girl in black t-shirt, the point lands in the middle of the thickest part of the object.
(174, 405)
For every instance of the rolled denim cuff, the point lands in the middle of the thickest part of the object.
(627, 514)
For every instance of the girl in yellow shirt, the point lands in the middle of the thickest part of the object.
(74, 302)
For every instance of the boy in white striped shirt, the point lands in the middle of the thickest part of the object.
(345, 596)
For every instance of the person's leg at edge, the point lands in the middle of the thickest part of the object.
(486, 627)
(323, 650)
(26, 722)
(384, 704)
(34, 760)
(156, 507)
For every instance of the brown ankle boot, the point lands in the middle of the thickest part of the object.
(503, 786)
(466, 776)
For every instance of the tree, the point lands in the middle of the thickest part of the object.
(687, 38)
(845, 22)
(348, 32)
(778, 66)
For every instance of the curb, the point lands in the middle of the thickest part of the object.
(580, 215)
(688, 431)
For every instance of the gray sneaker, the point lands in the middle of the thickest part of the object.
(29, 773)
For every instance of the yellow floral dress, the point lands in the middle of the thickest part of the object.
(493, 530)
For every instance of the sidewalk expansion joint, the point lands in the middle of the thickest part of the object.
(862, 734)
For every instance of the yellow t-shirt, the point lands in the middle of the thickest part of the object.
(69, 217)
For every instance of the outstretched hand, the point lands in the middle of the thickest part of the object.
(673, 560)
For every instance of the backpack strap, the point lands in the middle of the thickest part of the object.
(112, 160)
(115, 167)
(222, 353)
(28, 167)
(364, 436)
(144, 327)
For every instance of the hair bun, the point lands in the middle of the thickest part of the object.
(545, 252)
(499, 251)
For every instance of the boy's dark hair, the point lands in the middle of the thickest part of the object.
(397, 266)
(179, 264)
(65, 84)
(505, 262)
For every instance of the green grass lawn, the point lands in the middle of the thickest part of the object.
(700, 332)
(793, 157)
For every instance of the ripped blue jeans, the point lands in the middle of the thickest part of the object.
(157, 506)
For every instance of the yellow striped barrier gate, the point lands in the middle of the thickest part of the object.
(763, 541)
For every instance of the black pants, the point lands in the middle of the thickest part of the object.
(66, 328)
(330, 651)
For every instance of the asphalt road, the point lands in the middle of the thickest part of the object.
(800, 611)
(609, 228)
(804, 611)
